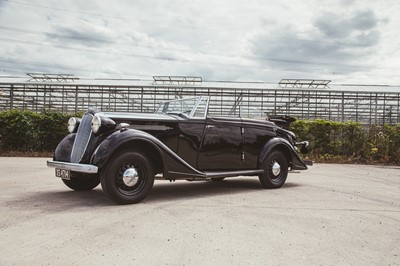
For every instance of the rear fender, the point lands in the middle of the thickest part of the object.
(282, 144)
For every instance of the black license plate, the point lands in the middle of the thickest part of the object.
(63, 173)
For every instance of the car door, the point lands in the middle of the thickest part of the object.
(190, 140)
(221, 148)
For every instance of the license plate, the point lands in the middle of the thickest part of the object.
(63, 173)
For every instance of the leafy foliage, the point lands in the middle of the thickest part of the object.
(350, 141)
(27, 131)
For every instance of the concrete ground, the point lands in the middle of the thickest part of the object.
(328, 215)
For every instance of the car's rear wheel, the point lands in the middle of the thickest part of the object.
(128, 177)
(276, 168)
(82, 182)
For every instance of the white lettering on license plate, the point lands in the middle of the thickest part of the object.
(63, 173)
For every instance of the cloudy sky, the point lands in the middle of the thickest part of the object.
(238, 40)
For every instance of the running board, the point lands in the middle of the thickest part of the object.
(211, 175)
(208, 175)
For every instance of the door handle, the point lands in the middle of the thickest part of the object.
(210, 126)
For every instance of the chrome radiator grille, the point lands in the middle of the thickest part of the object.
(82, 138)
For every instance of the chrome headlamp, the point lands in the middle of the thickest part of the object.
(73, 124)
(102, 124)
(96, 123)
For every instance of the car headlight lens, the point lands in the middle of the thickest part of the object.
(102, 124)
(96, 124)
(73, 124)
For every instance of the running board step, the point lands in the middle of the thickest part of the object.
(211, 175)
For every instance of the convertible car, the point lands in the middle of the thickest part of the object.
(125, 152)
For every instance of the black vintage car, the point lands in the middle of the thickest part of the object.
(126, 151)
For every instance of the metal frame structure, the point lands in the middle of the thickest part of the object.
(52, 77)
(301, 83)
(342, 103)
(178, 80)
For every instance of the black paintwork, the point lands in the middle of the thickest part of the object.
(188, 148)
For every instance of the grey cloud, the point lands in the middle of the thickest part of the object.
(331, 25)
(275, 49)
(359, 29)
(85, 35)
(368, 39)
(364, 20)
(334, 25)
(336, 43)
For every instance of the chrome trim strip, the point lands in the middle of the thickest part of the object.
(82, 138)
(76, 167)
(149, 127)
(209, 175)
(234, 173)
(187, 174)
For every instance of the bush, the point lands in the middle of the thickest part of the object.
(16, 130)
(350, 141)
(52, 128)
(27, 131)
(393, 136)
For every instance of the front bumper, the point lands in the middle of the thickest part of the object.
(75, 167)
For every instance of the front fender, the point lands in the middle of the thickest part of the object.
(114, 142)
(64, 148)
(280, 143)
(174, 166)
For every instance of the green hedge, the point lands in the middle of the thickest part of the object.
(350, 141)
(27, 131)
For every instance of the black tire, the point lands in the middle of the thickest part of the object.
(276, 169)
(137, 183)
(82, 182)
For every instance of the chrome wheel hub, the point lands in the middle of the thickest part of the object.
(276, 168)
(130, 177)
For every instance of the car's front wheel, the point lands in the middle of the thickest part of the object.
(82, 182)
(128, 177)
(275, 170)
